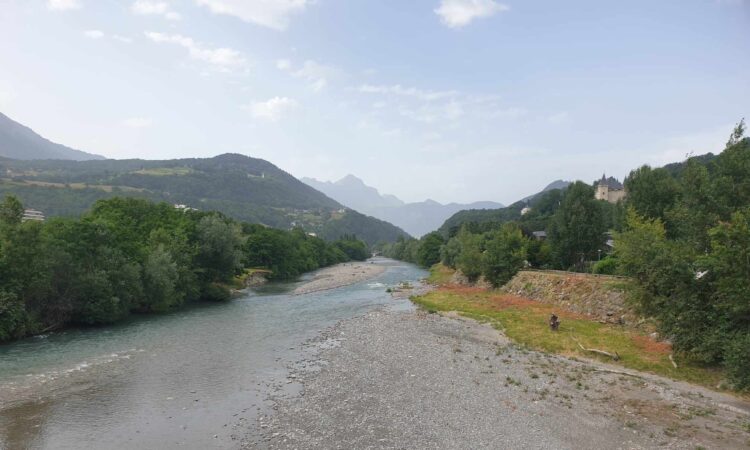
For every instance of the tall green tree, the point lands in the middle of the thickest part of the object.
(429, 249)
(651, 191)
(577, 229)
(504, 254)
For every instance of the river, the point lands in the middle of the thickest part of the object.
(195, 378)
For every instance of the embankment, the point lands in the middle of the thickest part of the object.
(600, 297)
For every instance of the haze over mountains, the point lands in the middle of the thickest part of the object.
(416, 218)
(61, 181)
(21, 142)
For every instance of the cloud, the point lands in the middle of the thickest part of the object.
(459, 13)
(137, 122)
(399, 90)
(223, 58)
(283, 64)
(93, 34)
(268, 13)
(272, 109)
(154, 8)
(313, 72)
(63, 5)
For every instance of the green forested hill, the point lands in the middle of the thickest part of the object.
(539, 202)
(248, 189)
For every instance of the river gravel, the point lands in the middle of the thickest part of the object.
(340, 275)
(409, 379)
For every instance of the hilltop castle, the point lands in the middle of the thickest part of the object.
(609, 189)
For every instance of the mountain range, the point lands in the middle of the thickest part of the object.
(20, 142)
(61, 181)
(417, 218)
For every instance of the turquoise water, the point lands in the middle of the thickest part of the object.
(191, 379)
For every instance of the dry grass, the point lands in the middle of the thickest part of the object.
(526, 322)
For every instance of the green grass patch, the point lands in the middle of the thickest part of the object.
(440, 274)
(525, 322)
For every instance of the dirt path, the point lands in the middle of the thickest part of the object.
(418, 380)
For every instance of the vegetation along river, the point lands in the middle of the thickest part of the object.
(195, 378)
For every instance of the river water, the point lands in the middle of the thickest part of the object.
(195, 378)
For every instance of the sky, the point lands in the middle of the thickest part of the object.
(452, 100)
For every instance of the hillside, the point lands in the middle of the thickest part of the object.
(500, 215)
(417, 218)
(248, 189)
(20, 142)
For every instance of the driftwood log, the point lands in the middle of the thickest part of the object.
(614, 356)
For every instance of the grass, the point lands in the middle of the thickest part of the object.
(525, 322)
(440, 275)
(163, 171)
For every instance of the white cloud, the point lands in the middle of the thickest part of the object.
(283, 64)
(399, 90)
(272, 109)
(313, 72)
(154, 8)
(63, 5)
(459, 13)
(137, 122)
(93, 34)
(268, 13)
(223, 58)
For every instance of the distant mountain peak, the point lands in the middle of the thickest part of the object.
(351, 180)
(416, 218)
(18, 141)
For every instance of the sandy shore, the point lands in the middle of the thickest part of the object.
(416, 380)
(340, 275)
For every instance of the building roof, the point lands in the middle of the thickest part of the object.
(539, 234)
(611, 182)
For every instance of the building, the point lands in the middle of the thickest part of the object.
(609, 189)
(525, 210)
(539, 235)
(32, 214)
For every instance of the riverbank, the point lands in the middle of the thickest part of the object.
(417, 380)
(340, 275)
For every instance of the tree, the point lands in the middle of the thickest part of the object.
(577, 228)
(504, 255)
(11, 210)
(429, 249)
(651, 191)
(737, 134)
(469, 262)
(219, 244)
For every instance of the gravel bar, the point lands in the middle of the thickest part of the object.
(395, 379)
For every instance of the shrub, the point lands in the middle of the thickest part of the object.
(607, 266)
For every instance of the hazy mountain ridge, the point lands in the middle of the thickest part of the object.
(248, 189)
(21, 142)
(512, 212)
(416, 218)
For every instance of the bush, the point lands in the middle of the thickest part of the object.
(216, 292)
(607, 266)
(737, 362)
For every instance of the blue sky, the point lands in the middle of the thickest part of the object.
(454, 100)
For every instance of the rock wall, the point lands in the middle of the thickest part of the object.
(598, 296)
